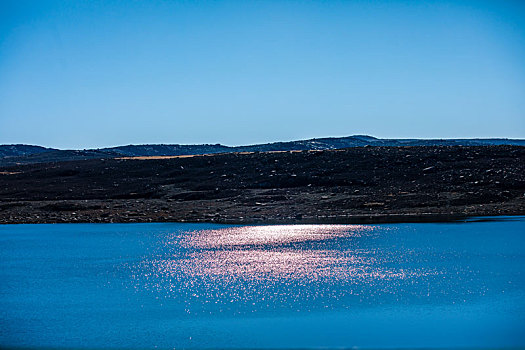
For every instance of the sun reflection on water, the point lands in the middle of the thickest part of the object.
(271, 235)
(259, 267)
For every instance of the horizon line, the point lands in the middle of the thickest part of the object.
(265, 143)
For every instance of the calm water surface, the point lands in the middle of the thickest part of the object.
(294, 286)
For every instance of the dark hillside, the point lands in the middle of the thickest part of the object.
(350, 185)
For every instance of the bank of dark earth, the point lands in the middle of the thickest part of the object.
(354, 185)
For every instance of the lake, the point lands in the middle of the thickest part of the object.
(165, 285)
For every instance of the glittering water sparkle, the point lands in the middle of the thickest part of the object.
(244, 269)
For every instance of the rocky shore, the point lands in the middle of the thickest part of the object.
(353, 185)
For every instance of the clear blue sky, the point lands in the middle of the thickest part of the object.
(79, 74)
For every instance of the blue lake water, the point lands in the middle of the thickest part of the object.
(426, 285)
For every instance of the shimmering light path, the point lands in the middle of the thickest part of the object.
(202, 286)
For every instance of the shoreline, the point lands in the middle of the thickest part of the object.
(348, 220)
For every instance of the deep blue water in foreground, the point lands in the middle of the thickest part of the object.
(296, 286)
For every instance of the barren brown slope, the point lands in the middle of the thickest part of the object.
(371, 184)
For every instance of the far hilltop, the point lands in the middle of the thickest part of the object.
(30, 154)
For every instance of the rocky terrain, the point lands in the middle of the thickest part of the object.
(25, 154)
(352, 185)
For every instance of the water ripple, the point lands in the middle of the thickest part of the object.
(244, 269)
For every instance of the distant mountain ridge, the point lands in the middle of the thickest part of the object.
(21, 150)
(29, 154)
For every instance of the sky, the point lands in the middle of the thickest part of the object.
(87, 74)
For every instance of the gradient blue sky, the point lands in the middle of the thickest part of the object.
(78, 74)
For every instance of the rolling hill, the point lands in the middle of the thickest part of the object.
(28, 154)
